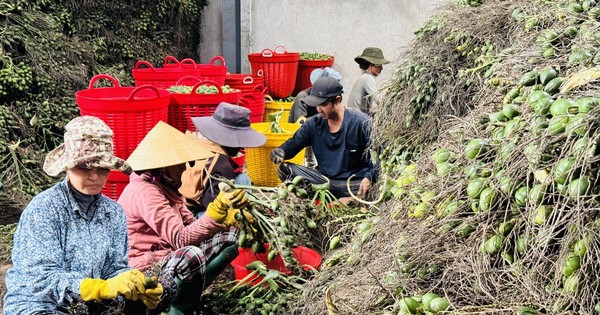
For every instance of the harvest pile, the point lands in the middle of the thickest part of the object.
(489, 134)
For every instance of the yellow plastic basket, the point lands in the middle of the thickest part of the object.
(261, 170)
(272, 106)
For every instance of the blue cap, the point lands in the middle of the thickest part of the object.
(324, 72)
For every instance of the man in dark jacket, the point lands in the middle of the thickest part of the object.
(340, 140)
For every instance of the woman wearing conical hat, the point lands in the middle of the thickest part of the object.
(163, 233)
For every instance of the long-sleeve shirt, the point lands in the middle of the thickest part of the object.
(56, 247)
(158, 222)
(361, 95)
(341, 154)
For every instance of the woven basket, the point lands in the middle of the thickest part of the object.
(129, 111)
(245, 82)
(305, 68)
(280, 68)
(185, 106)
(115, 184)
(165, 77)
(213, 72)
(255, 102)
(272, 106)
(261, 170)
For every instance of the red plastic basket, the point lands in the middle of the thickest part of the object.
(245, 82)
(213, 72)
(185, 106)
(306, 257)
(115, 184)
(255, 102)
(305, 67)
(172, 71)
(280, 68)
(240, 160)
(129, 111)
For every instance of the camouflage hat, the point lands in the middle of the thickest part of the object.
(88, 144)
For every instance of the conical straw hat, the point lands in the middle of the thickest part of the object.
(165, 146)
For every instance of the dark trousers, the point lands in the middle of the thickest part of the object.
(338, 187)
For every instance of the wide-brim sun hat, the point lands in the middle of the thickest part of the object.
(165, 146)
(229, 126)
(323, 89)
(87, 144)
(372, 55)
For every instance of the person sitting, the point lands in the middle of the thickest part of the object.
(340, 140)
(71, 246)
(300, 109)
(224, 133)
(165, 237)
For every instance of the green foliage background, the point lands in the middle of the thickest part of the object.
(49, 49)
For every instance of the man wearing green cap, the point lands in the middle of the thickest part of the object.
(371, 61)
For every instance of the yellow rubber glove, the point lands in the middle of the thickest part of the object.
(219, 207)
(231, 220)
(151, 297)
(128, 284)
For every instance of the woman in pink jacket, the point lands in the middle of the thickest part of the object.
(164, 237)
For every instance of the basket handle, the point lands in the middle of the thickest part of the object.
(170, 61)
(215, 58)
(103, 76)
(187, 63)
(143, 87)
(143, 63)
(187, 77)
(260, 73)
(248, 98)
(243, 101)
(269, 98)
(267, 53)
(280, 50)
(259, 89)
(248, 80)
(206, 82)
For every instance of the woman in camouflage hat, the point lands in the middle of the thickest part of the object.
(71, 241)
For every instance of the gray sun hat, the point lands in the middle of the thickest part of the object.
(88, 144)
(229, 126)
(372, 55)
(323, 89)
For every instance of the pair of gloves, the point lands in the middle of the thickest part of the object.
(130, 284)
(226, 207)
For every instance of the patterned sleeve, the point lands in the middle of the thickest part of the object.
(37, 255)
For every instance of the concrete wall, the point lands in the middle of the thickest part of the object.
(339, 27)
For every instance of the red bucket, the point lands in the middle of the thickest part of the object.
(213, 72)
(245, 82)
(172, 71)
(185, 106)
(306, 257)
(280, 68)
(305, 67)
(255, 102)
(115, 184)
(129, 111)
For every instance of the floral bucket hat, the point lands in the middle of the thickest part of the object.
(88, 144)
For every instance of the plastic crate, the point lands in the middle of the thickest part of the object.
(212, 71)
(305, 68)
(172, 71)
(271, 106)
